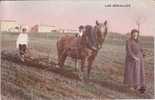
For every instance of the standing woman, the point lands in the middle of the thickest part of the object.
(134, 67)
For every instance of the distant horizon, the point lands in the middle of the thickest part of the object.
(70, 14)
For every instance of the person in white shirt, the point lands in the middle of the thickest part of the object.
(22, 43)
(81, 29)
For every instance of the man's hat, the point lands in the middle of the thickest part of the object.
(24, 29)
(97, 23)
(81, 27)
(134, 31)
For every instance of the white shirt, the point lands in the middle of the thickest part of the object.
(22, 39)
(80, 33)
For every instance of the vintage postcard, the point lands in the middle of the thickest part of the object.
(77, 49)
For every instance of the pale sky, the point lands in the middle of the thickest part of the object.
(70, 13)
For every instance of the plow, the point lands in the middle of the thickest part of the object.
(41, 62)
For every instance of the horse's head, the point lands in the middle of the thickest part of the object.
(101, 32)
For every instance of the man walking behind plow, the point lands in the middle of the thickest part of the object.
(134, 67)
(22, 43)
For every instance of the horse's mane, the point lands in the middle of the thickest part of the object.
(86, 35)
(88, 29)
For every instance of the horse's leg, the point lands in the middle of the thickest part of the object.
(82, 64)
(62, 59)
(76, 65)
(81, 70)
(89, 67)
(60, 50)
(59, 59)
(90, 62)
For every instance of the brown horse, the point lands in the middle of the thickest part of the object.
(79, 48)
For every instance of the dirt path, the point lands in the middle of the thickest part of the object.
(39, 79)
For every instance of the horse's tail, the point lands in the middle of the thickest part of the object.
(59, 48)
